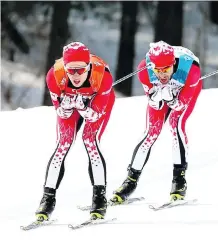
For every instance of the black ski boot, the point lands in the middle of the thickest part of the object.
(128, 186)
(47, 205)
(99, 203)
(179, 185)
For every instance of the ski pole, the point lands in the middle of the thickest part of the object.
(204, 77)
(209, 74)
(150, 65)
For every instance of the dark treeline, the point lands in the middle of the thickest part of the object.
(167, 22)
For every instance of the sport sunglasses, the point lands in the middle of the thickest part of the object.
(80, 70)
(163, 70)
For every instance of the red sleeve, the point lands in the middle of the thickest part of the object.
(143, 77)
(189, 91)
(192, 83)
(54, 90)
(99, 102)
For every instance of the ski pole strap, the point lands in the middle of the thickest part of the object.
(150, 65)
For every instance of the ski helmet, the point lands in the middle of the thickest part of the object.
(161, 54)
(76, 51)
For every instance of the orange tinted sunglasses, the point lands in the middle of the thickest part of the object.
(163, 70)
(80, 71)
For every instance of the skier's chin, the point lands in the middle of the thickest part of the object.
(77, 83)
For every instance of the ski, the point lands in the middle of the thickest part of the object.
(37, 224)
(91, 222)
(111, 203)
(171, 204)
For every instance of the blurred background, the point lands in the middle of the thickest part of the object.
(33, 34)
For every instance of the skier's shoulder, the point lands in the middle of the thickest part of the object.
(50, 77)
(52, 81)
(143, 75)
(180, 51)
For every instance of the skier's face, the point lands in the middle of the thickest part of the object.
(164, 74)
(77, 72)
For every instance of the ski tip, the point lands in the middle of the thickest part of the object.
(37, 224)
(91, 222)
(26, 228)
(151, 207)
(171, 204)
(83, 208)
(113, 219)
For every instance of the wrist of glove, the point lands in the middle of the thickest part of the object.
(90, 115)
(64, 113)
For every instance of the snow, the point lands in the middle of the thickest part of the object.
(27, 141)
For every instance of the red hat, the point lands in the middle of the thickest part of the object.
(161, 54)
(76, 51)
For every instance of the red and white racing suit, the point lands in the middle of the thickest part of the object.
(101, 101)
(177, 114)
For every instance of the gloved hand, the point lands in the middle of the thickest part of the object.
(78, 102)
(155, 94)
(64, 113)
(73, 101)
(90, 115)
(66, 108)
(168, 94)
(155, 98)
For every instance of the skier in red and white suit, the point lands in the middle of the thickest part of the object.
(172, 85)
(80, 85)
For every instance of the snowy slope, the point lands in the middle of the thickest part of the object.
(28, 139)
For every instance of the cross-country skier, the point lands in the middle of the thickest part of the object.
(80, 85)
(172, 86)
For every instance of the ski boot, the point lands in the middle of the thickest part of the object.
(47, 205)
(179, 185)
(99, 203)
(127, 188)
